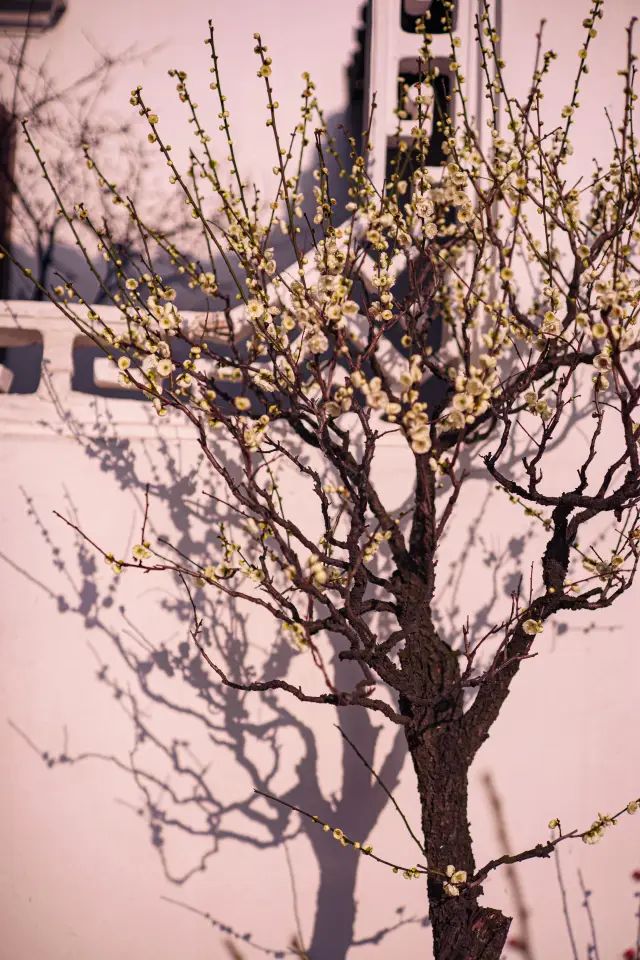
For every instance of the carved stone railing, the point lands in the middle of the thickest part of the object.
(25, 323)
(28, 322)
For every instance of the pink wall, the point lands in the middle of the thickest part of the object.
(80, 876)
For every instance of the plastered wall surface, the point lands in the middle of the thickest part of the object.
(95, 849)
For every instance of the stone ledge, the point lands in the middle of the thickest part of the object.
(28, 322)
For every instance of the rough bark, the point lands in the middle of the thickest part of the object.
(442, 748)
(462, 929)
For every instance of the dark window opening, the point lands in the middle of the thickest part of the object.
(407, 162)
(23, 358)
(441, 108)
(34, 14)
(437, 20)
(95, 374)
(7, 156)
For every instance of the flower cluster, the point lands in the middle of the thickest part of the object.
(456, 878)
(488, 280)
(297, 635)
(344, 841)
(597, 829)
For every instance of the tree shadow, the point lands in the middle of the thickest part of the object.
(181, 801)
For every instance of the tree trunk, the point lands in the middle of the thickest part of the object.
(442, 746)
(462, 929)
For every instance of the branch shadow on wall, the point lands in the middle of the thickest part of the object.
(180, 800)
(157, 674)
(141, 671)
